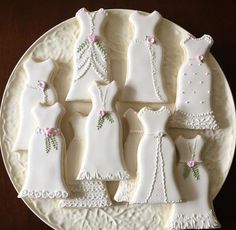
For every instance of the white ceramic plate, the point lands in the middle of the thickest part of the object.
(58, 44)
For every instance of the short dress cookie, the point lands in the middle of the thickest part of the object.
(44, 177)
(156, 160)
(194, 87)
(196, 212)
(144, 76)
(90, 57)
(83, 193)
(103, 158)
(38, 88)
(126, 187)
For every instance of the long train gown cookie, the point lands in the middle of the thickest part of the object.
(103, 158)
(126, 187)
(38, 88)
(156, 160)
(194, 87)
(196, 212)
(83, 193)
(90, 57)
(144, 77)
(44, 177)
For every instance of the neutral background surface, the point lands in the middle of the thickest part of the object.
(22, 22)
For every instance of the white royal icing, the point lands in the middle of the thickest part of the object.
(103, 158)
(144, 77)
(156, 160)
(194, 84)
(90, 57)
(196, 212)
(44, 177)
(38, 88)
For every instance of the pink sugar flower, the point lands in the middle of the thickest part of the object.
(101, 113)
(150, 39)
(92, 38)
(191, 163)
(200, 58)
(49, 132)
(42, 84)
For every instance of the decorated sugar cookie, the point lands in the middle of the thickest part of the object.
(144, 77)
(90, 57)
(126, 187)
(156, 160)
(103, 158)
(196, 212)
(38, 88)
(82, 193)
(44, 177)
(194, 87)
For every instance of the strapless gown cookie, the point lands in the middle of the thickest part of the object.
(83, 193)
(103, 158)
(196, 212)
(156, 160)
(194, 87)
(90, 56)
(144, 76)
(38, 88)
(44, 177)
(126, 187)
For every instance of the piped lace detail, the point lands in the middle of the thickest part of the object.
(194, 121)
(195, 221)
(42, 194)
(87, 194)
(97, 176)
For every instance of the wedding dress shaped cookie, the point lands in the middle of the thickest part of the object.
(194, 87)
(38, 88)
(103, 158)
(125, 188)
(44, 177)
(156, 160)
(90, 57)
(83, 193)
(144, 77)
(196, 212)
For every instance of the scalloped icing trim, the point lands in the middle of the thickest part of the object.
(97, 176)
(194, 121)
(42, 194)
(195, 221)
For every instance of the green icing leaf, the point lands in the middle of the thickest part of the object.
(187, 171)
(195, 172)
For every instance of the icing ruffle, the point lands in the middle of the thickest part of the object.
(43, 194)
(195, 221)
(194, 121)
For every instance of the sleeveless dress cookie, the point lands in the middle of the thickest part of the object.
(196, 212)
(103, 158)
(194, 87)
(45, 156)
(38, 89)
(144, 77)
(90, 57)
(83, 193)
(126, 187)
(156, 160)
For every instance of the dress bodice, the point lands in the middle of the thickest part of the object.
(196, 48)
(189, 149)
(133, 121)
(38, 71)
(154, 121)
(91, 22)
(78, 121)
(144, 24)
(48, 116)
(103, 95)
